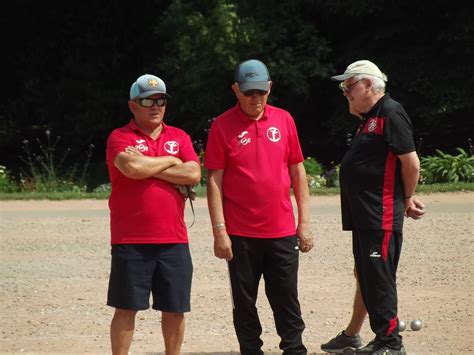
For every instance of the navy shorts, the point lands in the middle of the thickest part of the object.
(164, 270)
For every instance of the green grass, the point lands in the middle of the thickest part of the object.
(421, 189)
(445, 187)
(323, 191)
(54, 196)
(201, 192)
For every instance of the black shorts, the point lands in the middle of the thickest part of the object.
(165, 270)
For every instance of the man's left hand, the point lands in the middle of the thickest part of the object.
(305, 237)
(414, 208)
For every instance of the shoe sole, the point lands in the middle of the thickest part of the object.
(348, 350)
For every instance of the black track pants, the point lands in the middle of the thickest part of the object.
(277, 260)
(376, 254)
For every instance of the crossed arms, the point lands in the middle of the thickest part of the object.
(134, 165)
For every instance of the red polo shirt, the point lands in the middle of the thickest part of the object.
(255, 157)
(147, 211)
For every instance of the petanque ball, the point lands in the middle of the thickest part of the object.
(416, 324)
(401, 326)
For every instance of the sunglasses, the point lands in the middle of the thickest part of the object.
(150, 102)
(348, 88)
(249, 93)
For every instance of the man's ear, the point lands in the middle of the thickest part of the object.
(270, 85)
(132, 105)
(369, 84)
(235, 89)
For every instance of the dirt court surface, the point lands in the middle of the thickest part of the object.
(55, 259)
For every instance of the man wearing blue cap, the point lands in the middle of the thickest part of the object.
(253, 157)
(150, 254)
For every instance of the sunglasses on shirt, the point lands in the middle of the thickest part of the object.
(249, 93)
(147, 102)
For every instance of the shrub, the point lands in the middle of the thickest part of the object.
(332, 176)
(316, 181)
(45, 171)
(313, 167)
(203, 181)
(446, 168)
(314, 171)
(6, 182)
(104, 188)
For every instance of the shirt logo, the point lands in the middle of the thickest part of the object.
(372, 125)
(273, 134)
(141, 145)
(171, 147)
(244, 140)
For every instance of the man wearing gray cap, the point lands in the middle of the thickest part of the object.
(253, 157)
(378, 177)
(150, 254)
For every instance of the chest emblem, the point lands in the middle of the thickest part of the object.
(141, 145)
(273, 134)
(372, 125)
(243, 139)
(171, 147)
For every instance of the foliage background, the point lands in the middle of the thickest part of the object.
(68, 67)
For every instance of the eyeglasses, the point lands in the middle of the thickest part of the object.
(160, 102)
(345, 88)
(249, 93)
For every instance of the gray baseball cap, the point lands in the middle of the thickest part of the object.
(360, 67)
(147, 85)
(252, 74)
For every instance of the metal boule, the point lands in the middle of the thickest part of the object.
(416, 324)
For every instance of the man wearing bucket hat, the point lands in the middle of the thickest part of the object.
(253, 157)
(150, 252)
(378, 177)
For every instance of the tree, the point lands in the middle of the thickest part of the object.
(70, 66)
(423, 49)
(208, 39)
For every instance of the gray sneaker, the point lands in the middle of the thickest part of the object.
(342, 343)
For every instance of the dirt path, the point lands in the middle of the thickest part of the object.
(55, 264)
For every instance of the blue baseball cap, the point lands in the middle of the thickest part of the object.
(147, 85)
(252, 74)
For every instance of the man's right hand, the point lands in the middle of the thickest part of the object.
(222, 245)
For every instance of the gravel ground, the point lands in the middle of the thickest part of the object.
(55, 258)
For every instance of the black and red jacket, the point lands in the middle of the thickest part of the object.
(372, 195)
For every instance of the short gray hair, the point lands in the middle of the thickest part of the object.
(378, 85)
